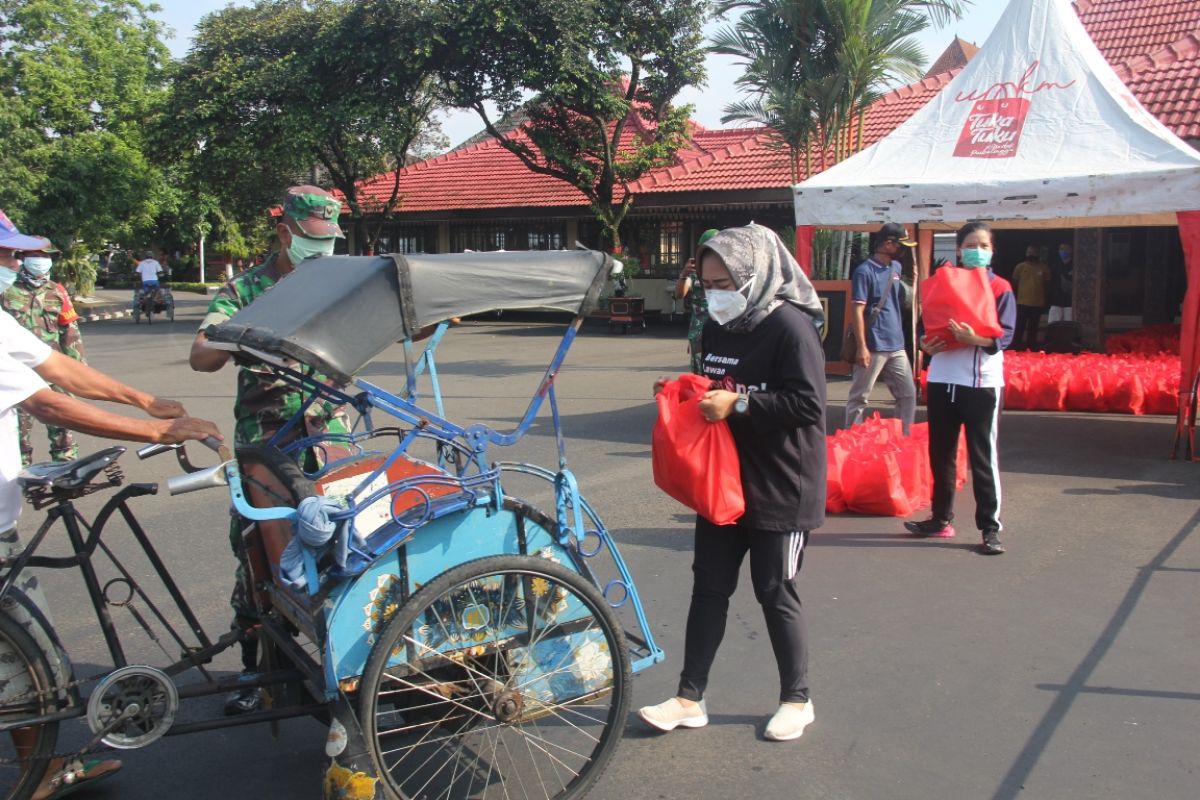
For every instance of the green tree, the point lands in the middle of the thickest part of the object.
(813, 67)
(293, 91)
(78, 78)
(592, 83)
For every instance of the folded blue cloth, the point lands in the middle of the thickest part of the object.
(316, 533)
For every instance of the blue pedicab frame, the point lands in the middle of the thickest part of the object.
(339, 606)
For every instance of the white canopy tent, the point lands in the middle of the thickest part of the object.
(1036, 131)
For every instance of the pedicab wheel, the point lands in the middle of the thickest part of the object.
(171, 313)
(137, 316)
(29, 679)
(500, 677)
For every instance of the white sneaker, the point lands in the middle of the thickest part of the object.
(789, 721)
(673, 714)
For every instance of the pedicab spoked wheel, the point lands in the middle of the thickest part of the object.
(30, 680)
(503, 677)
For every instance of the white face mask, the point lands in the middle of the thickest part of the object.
(39, 266)
(726, 305)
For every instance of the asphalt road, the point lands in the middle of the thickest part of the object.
(1062, 669)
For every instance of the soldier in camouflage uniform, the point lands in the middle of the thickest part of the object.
(264, 404)
(43, 307)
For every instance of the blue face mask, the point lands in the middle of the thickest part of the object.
(975, 257)
(7, 278)
(1065, 255)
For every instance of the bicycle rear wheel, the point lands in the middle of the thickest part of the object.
(503, 677)
(28, 689)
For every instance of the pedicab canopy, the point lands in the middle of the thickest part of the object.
(338, 312)
(1037, 131)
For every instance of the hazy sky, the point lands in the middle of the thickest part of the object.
(182, 16)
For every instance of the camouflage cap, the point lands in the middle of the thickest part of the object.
(315, 211)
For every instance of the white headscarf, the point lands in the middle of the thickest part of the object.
(756, 253)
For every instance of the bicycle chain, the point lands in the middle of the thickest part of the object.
(56, 690)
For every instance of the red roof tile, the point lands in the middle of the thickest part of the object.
(955, 56)
(1124, 29)
(1154, 46)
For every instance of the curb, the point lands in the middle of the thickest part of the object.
(105, 315)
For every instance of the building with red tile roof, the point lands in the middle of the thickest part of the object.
(480, 196)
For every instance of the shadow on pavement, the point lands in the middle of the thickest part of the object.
(1013, 783)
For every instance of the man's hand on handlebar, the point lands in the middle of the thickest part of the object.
(182, 429)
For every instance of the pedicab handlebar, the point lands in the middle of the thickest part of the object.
(226, 474)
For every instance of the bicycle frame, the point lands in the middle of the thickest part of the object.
(85, 539)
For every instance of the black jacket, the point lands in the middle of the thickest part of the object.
(781, 442)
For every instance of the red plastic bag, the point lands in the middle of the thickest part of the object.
(695, 461)
(1124, 394)
(963, 295)
(1017, 393)
(872, 484)
(1048, 388)
(1085, 392)
(835, 457)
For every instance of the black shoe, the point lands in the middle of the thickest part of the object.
(243, 701)
(991, 544)
(934, 528)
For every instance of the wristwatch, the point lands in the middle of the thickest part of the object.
(742, 404)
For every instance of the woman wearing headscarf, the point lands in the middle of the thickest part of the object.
(763, 354)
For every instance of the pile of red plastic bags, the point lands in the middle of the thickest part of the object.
(875, 469)
(1126, 383)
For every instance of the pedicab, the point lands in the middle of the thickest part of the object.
(153, 300)
(469, 643)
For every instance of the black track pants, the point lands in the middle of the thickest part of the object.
(775, 560)
(951, 408)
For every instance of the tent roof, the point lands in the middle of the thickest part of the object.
(1037, 130)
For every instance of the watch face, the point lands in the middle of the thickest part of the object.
(741, 405)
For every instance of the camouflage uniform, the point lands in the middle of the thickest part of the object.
(44, 307)
(264, 404)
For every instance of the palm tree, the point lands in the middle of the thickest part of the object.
(813, 67)
(786, 59)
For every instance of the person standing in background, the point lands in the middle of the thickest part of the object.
(43, 307)
(1062, 285)
(1030, 279)
(878, 324)
(689, 287)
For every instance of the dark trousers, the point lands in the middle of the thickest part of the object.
(951, 408)
(1025, 336)
(775, 560)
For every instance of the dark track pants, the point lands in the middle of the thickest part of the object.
(775, 560)
(952, 407)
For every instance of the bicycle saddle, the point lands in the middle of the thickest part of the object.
(68, 474)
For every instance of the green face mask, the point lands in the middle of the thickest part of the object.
(976, 257)
(303, 247)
